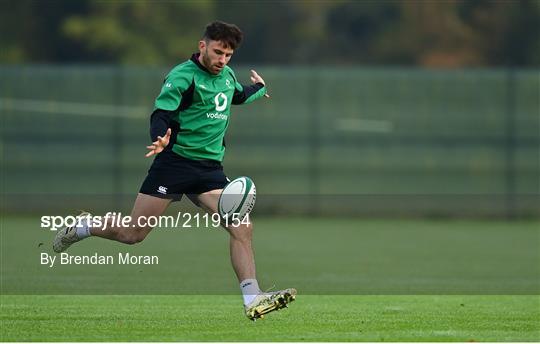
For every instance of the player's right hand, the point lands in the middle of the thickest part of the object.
(159, 145)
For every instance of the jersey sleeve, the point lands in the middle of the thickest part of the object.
(159, 123)
(174, 85)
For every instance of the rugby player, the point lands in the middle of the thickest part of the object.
(187, 128)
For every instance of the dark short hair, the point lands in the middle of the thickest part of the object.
(228, 34)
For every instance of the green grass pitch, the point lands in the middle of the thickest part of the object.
(358, 280)
(310, 318)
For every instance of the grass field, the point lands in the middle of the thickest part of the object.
(358, 280)
(311, 318)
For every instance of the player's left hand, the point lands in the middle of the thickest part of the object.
(255, 78)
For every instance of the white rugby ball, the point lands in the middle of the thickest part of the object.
(237, 198)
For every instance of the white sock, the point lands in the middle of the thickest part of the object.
(83, 230)
(250, 289)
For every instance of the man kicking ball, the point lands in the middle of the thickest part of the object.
(187, 128)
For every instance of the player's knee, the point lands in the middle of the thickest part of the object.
(242, 232)
(249, 227)
(244, 227)
(131, 237)
(134, 240)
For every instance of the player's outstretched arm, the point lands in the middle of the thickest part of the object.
(159, 145)
(244, 94)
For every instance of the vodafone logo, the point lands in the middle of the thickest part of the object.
(221, 101)
(217, 116)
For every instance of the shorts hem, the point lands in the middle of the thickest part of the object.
(173, 197)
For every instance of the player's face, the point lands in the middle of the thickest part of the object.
(214, 55)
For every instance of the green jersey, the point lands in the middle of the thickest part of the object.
(200, 107)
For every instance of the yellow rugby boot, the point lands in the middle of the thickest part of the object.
(269, 302)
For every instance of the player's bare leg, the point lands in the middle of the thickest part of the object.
(145, 206)
(256, 303)
(241, 236)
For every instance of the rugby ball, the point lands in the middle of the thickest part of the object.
(237, 198)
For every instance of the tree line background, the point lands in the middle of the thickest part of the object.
(438, 33)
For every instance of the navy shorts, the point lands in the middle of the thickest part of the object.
(172, 175)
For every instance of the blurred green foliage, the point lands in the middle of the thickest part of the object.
(449, 33)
